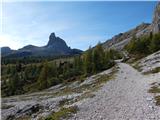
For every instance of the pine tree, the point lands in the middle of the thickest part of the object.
(98, 58)
(52, 74)
(88, 63)
(155, 43)
(42, 80)
(14, 82)
(78, 63)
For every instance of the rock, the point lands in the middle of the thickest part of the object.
(29, 109)
(151, 107)
(57, 44)
(150, 63)
(149, 99)
(152, 117)
(156, 19)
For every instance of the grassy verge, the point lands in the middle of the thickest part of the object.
(4, 106)
(155, 70)
(63, 113)
(157, 98)
(137, 67)
(156, 90)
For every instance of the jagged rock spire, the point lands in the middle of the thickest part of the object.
(57, 43)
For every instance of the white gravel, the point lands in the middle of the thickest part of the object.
(124, 98)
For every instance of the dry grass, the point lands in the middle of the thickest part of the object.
(5, 106)
(154, 89)
(63, 113)
(157, 98)
(155, 70)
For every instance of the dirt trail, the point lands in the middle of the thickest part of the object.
(124, 98)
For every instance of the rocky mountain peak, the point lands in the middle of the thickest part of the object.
(57, 44)
(156, 19)
(52, 36)
(55, 41)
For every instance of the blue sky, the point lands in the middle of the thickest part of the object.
(80, 24)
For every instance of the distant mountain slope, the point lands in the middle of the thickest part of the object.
(120, 40)
(55, 47)
(5, 50)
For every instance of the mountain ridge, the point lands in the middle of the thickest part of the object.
(55, 47)
(119, 41)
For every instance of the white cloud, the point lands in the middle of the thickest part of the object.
(33, 27)
(7, 40)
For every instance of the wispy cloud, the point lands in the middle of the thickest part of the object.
(27, 24)
(8, 40)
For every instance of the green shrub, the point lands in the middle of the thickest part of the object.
(63, 113)
(144, 45)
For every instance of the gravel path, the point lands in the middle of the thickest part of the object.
(124, 98)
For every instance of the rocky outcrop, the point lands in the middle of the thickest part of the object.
(149, 64)
(120, 40)
(58, 44)
(156, 19)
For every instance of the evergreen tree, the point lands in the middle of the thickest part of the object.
(14, 82)
(88, 63)
(42, 80)
(52, 74)
(155, 43)
(78, 63)
(98, 58)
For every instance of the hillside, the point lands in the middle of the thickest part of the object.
(119, 41)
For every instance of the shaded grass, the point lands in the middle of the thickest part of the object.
(5, 106)
(137, 67)
(24, 118)
(154, 89)
(157, 98)
(63, 113)
(155, 70)
(64, 101)
(135, 57)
